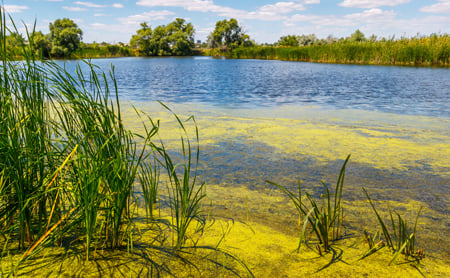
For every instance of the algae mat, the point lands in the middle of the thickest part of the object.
(403, 161)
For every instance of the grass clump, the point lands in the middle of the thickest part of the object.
(184, 193)
(68, 165)
(401, 238)
(324, 217)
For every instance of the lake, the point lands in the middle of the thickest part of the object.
(286, 121)
(251, 84)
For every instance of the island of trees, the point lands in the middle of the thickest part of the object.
(229, 39)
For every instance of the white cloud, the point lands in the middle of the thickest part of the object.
(98, 26)
(442, 7)
(266, 13)
(187, 4)
(281, 8)
(99, 14)
(368, 4)
(147, 16)
(89, 4)
(371, 16)
(117, 5)
(14, 8)
(74, 9)
(372, 21)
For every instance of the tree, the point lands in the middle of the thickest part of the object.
(14, 43)
(228, 33)
(289, 40)
(307, 40)
(177, 38)
(358, 36)
(65, 37)
(181, 37)
(40, 44)
(142, 39)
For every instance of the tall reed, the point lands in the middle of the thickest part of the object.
(184, 191)
(326, 218)
(65, 153)
(426, 50)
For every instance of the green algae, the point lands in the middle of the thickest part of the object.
(404, 162)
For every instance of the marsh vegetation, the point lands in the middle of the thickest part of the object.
(81, 191)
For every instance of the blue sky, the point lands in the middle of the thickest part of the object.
(264, 20)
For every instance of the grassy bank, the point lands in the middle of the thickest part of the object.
(88, 51)
(424, 51)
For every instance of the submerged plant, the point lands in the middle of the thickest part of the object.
(325, 219)
(402, 238)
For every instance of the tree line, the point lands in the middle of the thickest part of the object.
(229, 39)
(173, 39)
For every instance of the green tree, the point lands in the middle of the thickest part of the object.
(289, 40)
(228, 33)
(141, 40)
(40, 44)
(14, 43)
(181, 37)
(177, 38)
(307, 40)
(65, 37)
(358, 36)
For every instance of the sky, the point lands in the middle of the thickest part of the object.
(264, 20)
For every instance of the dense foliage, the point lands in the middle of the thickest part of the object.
(176, 38)
(65, 37)
(229, 35)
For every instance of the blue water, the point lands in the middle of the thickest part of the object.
(260, 83)
(238, 159)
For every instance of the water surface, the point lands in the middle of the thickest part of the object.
(260, 83)
(287, 121)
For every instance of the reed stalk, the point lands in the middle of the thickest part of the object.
(401, 238)
(325, 219)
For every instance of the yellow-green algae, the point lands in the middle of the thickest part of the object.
(260, 226)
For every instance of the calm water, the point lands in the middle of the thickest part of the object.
(259, 83)
(285, 121)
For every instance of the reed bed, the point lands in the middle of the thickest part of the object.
(69, 166)
(431, 50)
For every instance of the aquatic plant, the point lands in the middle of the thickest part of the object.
(68, 163)
(325, 219)
(149, 180)
(402, 238)
(69, 166)
(185, 193)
